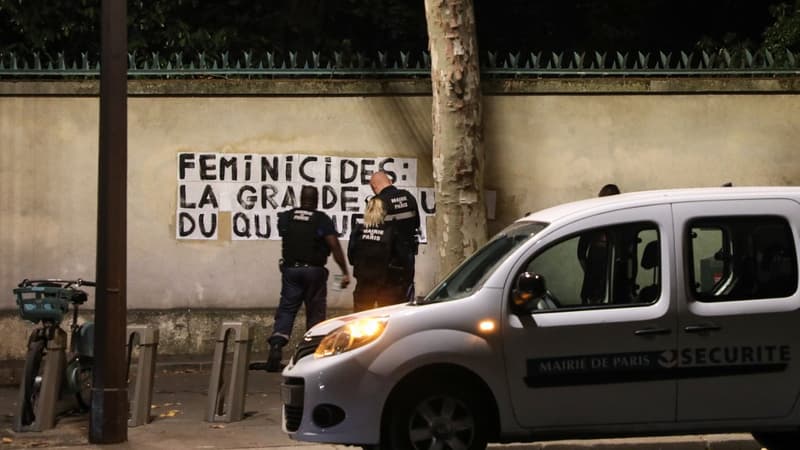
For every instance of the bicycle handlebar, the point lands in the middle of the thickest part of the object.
(64, 283)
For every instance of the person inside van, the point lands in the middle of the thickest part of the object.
(593, 254)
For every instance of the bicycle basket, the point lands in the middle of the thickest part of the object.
(43, 302)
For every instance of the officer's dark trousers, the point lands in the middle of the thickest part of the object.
(300, 285)
(370, 294)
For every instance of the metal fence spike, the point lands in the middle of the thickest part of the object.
(665, 59)
(748, 58)
(731, 61)
(557, 59)
(769, 60)
(536, 59)
(579, 59)
(644, 60)
(622, 60)
(600, 59)
(726, 57)
(404, 59)
(706, 59)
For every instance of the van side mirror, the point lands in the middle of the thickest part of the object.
(528, 289)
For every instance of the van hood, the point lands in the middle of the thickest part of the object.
(323, 328)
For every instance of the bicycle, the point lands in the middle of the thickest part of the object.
(45, 303)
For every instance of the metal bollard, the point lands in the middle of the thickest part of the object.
(52, 372)
(218, 410)
(144, 337)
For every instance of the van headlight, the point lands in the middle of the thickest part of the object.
(352, 335)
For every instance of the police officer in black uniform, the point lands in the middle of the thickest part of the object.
(308, 237)
(403, 214)
(372, 252)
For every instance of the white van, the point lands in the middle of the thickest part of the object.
(651, 313)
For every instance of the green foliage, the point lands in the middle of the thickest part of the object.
(785, 32)
(213, 27)
(163, 27)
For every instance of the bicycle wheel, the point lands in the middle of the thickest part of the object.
(31, 381)
(80, 382)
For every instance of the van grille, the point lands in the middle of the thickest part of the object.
(306, 347)
(293, 415)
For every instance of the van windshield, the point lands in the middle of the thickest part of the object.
(469, 274)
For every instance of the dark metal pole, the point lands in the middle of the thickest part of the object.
(109, 416)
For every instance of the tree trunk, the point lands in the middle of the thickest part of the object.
(458, 157)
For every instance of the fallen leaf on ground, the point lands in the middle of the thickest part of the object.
(7, 440)
(218, 426)
(170, 413)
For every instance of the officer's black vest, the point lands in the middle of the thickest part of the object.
(402, 213)
(301, 243)
(373, 252)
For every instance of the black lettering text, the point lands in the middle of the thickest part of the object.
(367, 170)
(268, 193)
(241, 225)
(269, 171)
(349, 202)
(427, 202)
(303, 173)
(208, 167)
(247, 197)
(185, 161)
(228, 165)
(208, 197)
(348, 166)
(185, 204)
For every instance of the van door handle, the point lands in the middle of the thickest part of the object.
(701, 328)
(652, 331)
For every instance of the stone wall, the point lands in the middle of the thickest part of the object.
(547, 141)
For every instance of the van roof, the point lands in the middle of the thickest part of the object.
(596, 205)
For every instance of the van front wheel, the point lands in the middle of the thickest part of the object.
(442, 417)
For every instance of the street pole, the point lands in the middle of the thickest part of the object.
(109, 414)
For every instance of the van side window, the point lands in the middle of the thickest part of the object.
(741, 258)
(614, 265)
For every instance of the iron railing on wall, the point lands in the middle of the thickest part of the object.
(531, 64)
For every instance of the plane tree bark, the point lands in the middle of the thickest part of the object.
(458, 156)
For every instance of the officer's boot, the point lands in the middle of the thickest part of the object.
(275, 357)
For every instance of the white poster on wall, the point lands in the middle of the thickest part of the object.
(254, 188)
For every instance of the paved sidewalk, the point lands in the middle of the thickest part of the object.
(179, 408)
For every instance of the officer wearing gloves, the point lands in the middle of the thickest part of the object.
(308, 237)
(403, 214)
